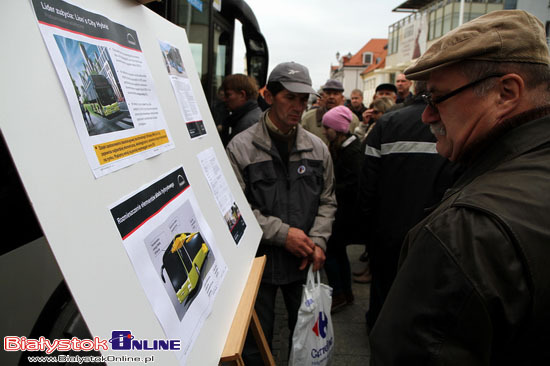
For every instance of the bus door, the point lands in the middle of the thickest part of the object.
(222, 53)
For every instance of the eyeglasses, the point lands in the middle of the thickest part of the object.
(433, 102)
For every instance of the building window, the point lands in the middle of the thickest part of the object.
(447, 20)
(393, 38)
(390, 38)
(438, 23)
(456, 19)
(431, 27)
(444, 16)
(367, 58)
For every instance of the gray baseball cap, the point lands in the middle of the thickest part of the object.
(293, 77)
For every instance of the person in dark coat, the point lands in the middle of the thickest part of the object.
(241, 99)
(345, 149)
(402, 175)
(356, 103)
(403, 86)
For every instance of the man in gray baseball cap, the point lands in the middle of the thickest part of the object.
(287, 176)
(473, 281)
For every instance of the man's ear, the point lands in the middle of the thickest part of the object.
(242, 94)
(511, 90)
(268, 96)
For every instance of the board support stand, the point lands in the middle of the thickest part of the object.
(246, 318)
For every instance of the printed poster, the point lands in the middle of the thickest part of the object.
(183, 90)
(222, 194)
(174, 254)
(107, 83)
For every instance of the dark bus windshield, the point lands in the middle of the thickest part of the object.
(100, 91)
(106, 95)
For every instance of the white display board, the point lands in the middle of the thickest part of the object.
(73, 203)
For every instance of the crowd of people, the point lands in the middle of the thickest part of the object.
(443, 177)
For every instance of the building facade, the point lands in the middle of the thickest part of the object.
(351, 68)
(430, 20)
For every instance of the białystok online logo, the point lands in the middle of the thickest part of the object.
(120, 340)
(124, 340)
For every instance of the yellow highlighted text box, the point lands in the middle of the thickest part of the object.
(118, 149)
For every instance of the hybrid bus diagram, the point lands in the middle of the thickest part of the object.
(182, 261)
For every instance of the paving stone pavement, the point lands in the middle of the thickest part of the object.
(351, 347)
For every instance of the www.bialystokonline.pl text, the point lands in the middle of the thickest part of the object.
(89, 359)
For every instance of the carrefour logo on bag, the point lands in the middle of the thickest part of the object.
(320, 327)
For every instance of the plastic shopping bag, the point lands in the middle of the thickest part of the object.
(313, 337)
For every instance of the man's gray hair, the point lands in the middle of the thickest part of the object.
(533, 75)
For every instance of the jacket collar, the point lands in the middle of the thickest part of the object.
(520, 134)
(262, 140)
(242, 110)
(319, 113)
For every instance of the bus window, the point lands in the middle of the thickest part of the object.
(210, 32)
(195, 19)
(222, 54)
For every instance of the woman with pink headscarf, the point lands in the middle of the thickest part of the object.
(345, 149)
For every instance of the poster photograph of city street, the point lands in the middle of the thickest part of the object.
(96, 85)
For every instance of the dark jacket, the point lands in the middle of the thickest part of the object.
(297, 194)
(408, 100)
(358, 112)
(473, 286)
(400, 102)
(242, 118)
(402, 175)
(347, 165)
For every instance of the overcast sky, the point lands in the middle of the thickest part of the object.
(310, 32)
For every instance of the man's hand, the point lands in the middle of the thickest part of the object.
(368, 115)
(318, 258)
(298, 243)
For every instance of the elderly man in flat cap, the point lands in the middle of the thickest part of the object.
(473, 286)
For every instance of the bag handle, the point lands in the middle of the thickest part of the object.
(310, 282)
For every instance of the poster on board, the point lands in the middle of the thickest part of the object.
(174, 254)
(222, 194)
(107, 83)
(183, 90)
